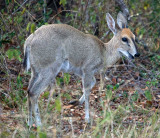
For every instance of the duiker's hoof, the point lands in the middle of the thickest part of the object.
(75, 102)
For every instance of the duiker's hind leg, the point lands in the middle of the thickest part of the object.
(33, 94)
(41, 84)
(45, 77)
(33, 79)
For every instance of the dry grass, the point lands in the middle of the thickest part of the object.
(120, 109)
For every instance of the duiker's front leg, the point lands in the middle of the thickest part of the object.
(88, 83)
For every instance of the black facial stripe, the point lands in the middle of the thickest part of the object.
(134, 43)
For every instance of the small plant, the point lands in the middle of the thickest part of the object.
(109, 93)
(58, 105)
(66, 78)
(148, 95)
(59, 81)
(135, 96)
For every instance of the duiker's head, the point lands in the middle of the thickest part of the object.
(125, 39)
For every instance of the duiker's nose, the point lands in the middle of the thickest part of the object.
(137, 55)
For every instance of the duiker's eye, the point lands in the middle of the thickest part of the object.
(124, 39)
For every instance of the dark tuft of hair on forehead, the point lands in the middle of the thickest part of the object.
(124, 26)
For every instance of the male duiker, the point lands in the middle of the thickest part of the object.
(59, 47)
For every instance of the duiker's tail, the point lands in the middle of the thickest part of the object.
(26, 61)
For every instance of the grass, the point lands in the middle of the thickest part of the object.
(126, 107)
(119, 120)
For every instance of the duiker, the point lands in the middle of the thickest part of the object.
(59, 47)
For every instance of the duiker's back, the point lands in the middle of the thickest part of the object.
(64, 42)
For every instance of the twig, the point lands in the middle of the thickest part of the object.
(20, 6)
(1, 91)
(16, 31)
(105, 35)
(50, 96)
(127, 81)
(124, 8)
(14, 133)
(141, 43)
(60, 13)
(44, 10)
(82, 17)
(4, 21)
(71, 122)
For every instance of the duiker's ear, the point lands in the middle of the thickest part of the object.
(111, 23)
(121, 20)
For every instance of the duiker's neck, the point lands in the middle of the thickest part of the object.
(112, 55)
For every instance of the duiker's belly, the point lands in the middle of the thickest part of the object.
(67, 67)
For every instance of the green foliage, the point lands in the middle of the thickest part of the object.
(156, 60)
(63, 2)
(67, 96)
(66, 78)
(135, 96)
(116, 87)
(101, 123)
(28, 26)
(107, 118)
(58, 104)
(153, 82)
(14, 54)
(46, 95)
(41, 133)
(125, 94)
(18, 95)
(32, 135)
(4, 134)
(148, 95)
(19, 82)
(109, 87)
(18, 19)
(59, 81)
(109, 94)
(33, 27)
